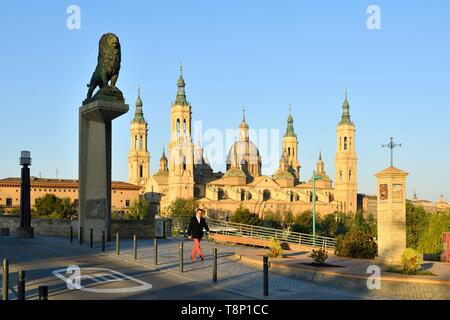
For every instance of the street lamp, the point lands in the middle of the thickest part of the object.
(314, 178)
(25, 230)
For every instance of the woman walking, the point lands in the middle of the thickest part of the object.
(195, 231)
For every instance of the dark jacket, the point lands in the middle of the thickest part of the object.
(195, 229)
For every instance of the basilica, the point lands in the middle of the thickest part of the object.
(185, 171)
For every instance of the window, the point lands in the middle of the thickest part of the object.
(266, 195)
(127, 203)
(242, 195)
(340, 175)
(349, 175)
(178, 126)
(345, 143)
(8, 202)
(184, 126)
(140, 143)
(140, 171)
(135, 142)
(289, 151)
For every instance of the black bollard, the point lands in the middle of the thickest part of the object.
(5, 280)
(91, 238)
(117, 244)
(215, 265)
(181, 257)
(134, 247)
(266, 275)
(155, 251)
(21, 285)
(103, 241)
(71, 234)
(43, 292)
(81, 236)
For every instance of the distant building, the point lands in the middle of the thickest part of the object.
(429, 206)
(367, 204)
(123, 194)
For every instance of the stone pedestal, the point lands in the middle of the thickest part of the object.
(94, 166)
(24, 232)
(391, 211)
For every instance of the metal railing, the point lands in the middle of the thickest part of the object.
(260, 233)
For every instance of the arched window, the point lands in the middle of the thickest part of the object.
(289, 151)
(135, 142)
(340, 175)
(184, 126)
(141, 171)
(242, 195)
(349, 175)
(220, 194)
(140, 143)
(266, 195)
(178, 126)
(184, 163)
(249, 196)
(345, 143)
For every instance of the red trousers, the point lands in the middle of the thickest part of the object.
(196, 249)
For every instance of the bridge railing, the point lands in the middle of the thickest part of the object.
(256, 232)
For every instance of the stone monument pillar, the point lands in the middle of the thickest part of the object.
(391, 211)
(95, 166)
(94, 163)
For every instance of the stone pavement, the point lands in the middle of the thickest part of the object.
(233, 276)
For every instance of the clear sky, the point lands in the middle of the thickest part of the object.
(261, 54)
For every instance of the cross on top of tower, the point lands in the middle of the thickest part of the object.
(391, 145)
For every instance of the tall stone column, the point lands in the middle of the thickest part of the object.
(391, 211)
(95, 119)
(25, 230)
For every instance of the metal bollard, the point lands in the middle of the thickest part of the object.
(155, 251)
(91, 238)
(71, 234)
(266, 275)
(21, 285)
(43, 292)
(81, 236)
(134, 247)
(103, 241)
(215, 265)
(117, 244)
(181, 257)
(5, 281)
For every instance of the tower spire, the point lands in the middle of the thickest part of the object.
(290, 125)
(139, 114)
(181, 94)
(345, 119)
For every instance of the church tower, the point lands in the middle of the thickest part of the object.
(138, 157)
(181, 148)
(290, 147)
(345, 192)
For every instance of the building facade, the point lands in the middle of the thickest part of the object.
(187, 173)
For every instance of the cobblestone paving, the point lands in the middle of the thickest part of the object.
(232, 275)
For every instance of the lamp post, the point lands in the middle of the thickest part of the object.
(25, 230)
(314, 178)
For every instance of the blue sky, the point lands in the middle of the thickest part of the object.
(261, 54)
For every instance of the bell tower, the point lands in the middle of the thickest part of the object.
(138, 157)
(181, 148)
(345, 192)
(290, 147)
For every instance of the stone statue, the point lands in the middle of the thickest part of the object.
(108, 67)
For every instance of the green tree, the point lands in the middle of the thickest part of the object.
(272, 219)
(430, 239)
(332, 226)
(182, 208)
(303, 223)
(139, 210)
(50, 206)
(417, 220)
(244, 216)
(356, 244)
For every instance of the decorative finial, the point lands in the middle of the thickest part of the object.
(346, 94)
(243, 114)
(181, 69)
(320, 154)
(290, 108)
(139, 90)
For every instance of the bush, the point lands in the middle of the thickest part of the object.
(50, 206)
(411, 262)
(244, 216)
(319, 256)
(139, 210)
(275, 249)
(182, 208)
(356, 244)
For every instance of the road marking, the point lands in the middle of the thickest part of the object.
(98, 276)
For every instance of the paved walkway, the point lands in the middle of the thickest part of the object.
(233, 276)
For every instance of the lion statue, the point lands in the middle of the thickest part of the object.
(108, 67)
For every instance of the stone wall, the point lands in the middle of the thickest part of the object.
(61, 228)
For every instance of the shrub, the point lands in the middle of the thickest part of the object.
(411, 262)
(244, 216)
(356, 244)
(139, 210)
(319, 256)
(53, 207)
(181, 208)
(275, 249)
